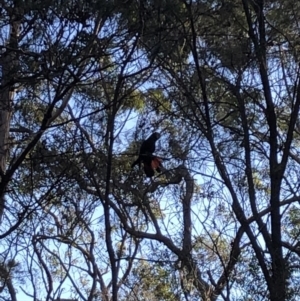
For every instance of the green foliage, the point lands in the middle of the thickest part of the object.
(84, 83)
(135, 100)
(163, 34)
(153, 282)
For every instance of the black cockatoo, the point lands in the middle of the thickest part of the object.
(150, 162)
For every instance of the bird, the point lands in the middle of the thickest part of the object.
(150, 162)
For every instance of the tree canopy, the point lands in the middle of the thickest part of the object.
(83, 84)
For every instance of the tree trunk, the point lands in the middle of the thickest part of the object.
(9, 65)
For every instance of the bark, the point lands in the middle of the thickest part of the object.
(9, 65)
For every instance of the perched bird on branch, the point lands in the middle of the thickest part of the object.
(150, 162)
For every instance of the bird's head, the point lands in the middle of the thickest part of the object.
(156, 136)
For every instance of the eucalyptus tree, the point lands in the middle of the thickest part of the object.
(82, 84)
(232, 80)
(52, 54)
